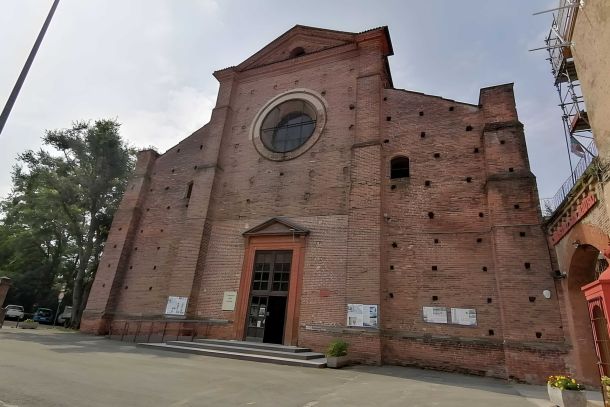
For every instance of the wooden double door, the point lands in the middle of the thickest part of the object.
(268, 296)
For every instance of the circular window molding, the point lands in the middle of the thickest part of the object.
(313, 98)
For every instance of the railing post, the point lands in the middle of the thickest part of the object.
(164, 328)
(135, 337)
(152, 323)
(125, 325)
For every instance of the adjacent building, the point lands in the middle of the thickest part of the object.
(578, 223)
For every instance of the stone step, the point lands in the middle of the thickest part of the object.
(288, 361)
(254, 345)
(251, 350)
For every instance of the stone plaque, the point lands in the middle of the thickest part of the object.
(228, 300)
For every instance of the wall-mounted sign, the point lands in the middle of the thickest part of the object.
(464, 316)
(435, 315)
(176, 305)
(564, 226)
(364, 315)
(228, 300)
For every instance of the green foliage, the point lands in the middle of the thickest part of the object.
(56, 219)
(337, 348)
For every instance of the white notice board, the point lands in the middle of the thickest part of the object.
(435, 315)
(176, 305)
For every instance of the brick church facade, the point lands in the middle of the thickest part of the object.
(320, 202)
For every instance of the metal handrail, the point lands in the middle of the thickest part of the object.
(184, 328)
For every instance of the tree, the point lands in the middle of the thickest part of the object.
(71, 193)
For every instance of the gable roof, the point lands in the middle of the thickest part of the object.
(312, 40)
(276, 226)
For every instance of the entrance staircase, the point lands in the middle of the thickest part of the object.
(253, 351)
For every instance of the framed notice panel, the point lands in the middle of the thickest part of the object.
(176, 305)
(362, 315)
(435, 315)
(464, 316)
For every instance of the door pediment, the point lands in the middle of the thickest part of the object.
(276, 227)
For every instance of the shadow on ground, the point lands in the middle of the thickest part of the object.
(67, 341)
(444, 378)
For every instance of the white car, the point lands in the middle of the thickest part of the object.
(14, 312)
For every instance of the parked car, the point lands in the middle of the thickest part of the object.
(65, 316)
(43, 316)
(14, 312)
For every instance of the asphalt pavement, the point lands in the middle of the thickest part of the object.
(55, 367)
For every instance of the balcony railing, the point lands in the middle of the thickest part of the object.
(549, 205)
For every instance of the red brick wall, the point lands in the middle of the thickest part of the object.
(481, 357)
(363, 345)
(458, 238)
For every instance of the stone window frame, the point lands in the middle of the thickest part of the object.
(312, 97)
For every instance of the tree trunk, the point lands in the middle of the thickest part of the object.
(78, 304)
(86, 291)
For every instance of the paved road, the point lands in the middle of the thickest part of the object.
(57, 368)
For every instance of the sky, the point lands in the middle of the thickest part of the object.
(149, 63)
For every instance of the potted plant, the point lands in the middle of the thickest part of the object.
(566, 392)
(336, 354)
(29, 324)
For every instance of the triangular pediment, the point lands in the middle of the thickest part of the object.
(309, 39)
(276, 226)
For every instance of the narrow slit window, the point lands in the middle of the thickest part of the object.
(399, 167)
(189, 190)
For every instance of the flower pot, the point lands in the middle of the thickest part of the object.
(336, 362)
(567, 398)
(28, 325)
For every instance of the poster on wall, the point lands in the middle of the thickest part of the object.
(363, 315)
(464, 316)
(369, 316)
(354, 315)
(176, 305)
(435, 315)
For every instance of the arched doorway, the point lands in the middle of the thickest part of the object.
(586, 265)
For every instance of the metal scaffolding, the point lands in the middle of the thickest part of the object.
(558, 44)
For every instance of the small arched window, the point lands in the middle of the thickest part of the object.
(399, 167)
(297, 52)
